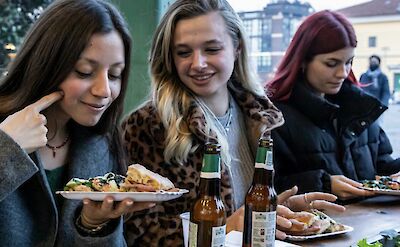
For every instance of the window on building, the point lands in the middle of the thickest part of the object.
(264, 63)
(372, 41)
(266, 43)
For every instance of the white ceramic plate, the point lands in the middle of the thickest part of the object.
(303, 238)
(119, 196)
(383, 191)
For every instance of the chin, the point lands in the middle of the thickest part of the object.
(87, 122)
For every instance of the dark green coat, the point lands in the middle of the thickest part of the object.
(28, 213)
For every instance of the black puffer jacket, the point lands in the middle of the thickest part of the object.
(308, 148)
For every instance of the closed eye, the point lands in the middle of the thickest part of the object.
(82, 74)
(114, 77)
(183, 53)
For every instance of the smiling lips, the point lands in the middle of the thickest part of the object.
(96, 107)
(202, 77)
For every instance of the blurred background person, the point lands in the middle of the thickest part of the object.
(375, 82)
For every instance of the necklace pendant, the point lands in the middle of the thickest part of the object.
(54, 152)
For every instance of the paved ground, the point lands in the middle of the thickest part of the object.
(391, 125)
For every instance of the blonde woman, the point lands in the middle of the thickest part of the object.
(202, 89)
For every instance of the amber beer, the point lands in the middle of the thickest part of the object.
(207, 225)
(261, 200)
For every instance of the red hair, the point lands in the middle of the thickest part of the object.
(322, 32)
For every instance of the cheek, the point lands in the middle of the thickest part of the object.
(115, 90)
(72, 88)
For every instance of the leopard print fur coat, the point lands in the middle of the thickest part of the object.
(143, 137)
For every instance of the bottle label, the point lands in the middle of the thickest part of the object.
(218, 236)
(263, 229)
(268, 163)
(193, 234)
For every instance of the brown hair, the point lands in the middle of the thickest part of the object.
(322, 32)
(50, 51)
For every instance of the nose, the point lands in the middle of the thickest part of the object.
(199, 61)
(343, 71)
(101, 85)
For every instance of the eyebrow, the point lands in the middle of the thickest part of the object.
(94, 62)
(339, 60)
(208, 42)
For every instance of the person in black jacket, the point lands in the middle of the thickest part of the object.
(375, 81)
(329, 141)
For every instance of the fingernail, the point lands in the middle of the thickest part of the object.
(86, 202)
(129, 203)
(110, 200)
(152, 205)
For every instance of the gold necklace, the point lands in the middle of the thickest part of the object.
(54, 148)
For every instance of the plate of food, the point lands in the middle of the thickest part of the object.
(139, 184)
(382, 185)
(325, 226)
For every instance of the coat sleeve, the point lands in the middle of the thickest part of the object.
(16, 166)
(289, 172)
(386, 165)
(385, 91)
(160, 225)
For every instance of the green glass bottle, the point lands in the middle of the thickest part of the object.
(207, 225)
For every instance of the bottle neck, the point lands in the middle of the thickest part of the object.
(263, 176)
(210, 186)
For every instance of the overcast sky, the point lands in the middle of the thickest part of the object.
(248, 5)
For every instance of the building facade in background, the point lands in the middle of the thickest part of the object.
(270, 31)
(377, 25)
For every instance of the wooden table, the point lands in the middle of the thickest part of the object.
(367, 217)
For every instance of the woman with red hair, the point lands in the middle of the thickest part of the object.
(330, 140)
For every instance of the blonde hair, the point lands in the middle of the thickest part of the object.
(172, 99)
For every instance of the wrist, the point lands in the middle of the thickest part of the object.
(88, 229)
(89, 224)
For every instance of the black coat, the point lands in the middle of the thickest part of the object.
(308, 148)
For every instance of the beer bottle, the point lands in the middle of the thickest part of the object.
(207, 225)
(261, 200)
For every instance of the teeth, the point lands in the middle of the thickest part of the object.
(203, 77)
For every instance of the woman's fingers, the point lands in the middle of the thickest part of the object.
(47, 101)
(280, 234)
(325, 205)
(321, 196)
(284, 196)
(27, 127)
(99, 212)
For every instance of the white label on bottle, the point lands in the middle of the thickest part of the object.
(193, 234)
(210, 175)
(218, 236)
(263, 229)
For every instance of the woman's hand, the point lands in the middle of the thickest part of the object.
(346, 188)
(95, 213)
(235, 221)
(282, 213)
(316, 200)
(27, 127)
